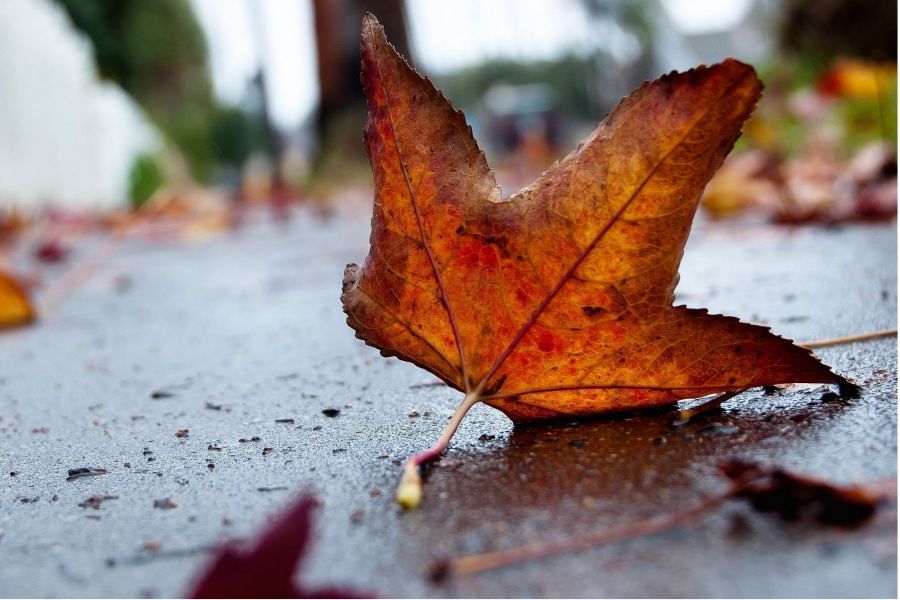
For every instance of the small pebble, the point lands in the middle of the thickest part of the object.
(84, 472)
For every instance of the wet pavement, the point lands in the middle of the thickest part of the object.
(243, 337)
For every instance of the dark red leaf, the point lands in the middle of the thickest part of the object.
(797, 497)
(266, 569)
(51, 251)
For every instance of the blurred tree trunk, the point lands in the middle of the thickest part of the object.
(827, 28)
(271, 138)
(342, 104)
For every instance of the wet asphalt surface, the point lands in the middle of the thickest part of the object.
(225, 338)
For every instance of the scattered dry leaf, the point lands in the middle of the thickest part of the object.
(795, 497)
(96, 501)
(51, 251)
(15, 307)
(266, 569)
(748, 180)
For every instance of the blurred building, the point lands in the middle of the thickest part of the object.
(65, 136)
(692, 32)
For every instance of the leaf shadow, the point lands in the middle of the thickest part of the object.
(572, 475)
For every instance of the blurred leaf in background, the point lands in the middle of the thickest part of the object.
(822, 144)
(15, 307)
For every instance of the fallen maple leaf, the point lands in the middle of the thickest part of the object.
(15, 308)
(556, 301)
(266, 570)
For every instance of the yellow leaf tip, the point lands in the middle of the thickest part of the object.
(409, 492)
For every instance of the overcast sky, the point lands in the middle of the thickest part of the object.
(445, 35)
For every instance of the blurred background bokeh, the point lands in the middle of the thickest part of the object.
(199, 106)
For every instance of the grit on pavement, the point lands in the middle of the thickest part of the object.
(242, 337)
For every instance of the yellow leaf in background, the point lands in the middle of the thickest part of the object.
(856, 79)
(15, 308)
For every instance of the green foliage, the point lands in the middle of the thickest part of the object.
(865, 120)
(237, 134)
(857, 119)
(156, 51)
(100, 21)
(144, 179)
(167, 53)
(145, 46)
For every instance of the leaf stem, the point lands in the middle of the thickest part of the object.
(475, 563)
(409, 492)
(849, 339)
(685, 415)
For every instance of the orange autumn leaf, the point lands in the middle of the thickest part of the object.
(15, 308)
(556, 301)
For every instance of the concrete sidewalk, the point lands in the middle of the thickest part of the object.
(229, 337)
